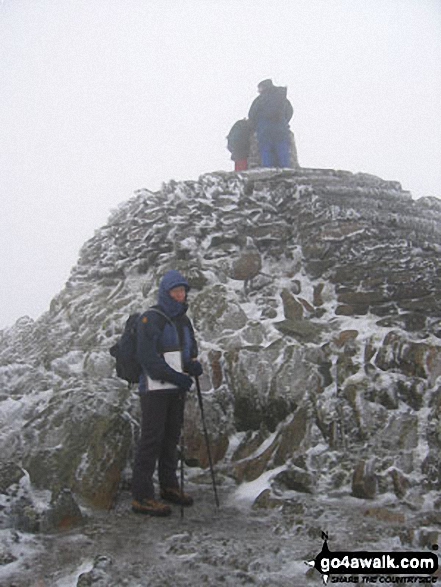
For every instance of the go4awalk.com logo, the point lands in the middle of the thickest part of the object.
(388, 567)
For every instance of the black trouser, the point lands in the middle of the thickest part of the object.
(162, 419)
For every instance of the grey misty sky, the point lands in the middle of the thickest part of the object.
(99, 98)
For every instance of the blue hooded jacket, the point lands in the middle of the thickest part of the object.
(270, 114)
(157, 334)
(168, 305)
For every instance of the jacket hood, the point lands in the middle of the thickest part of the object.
(266, 84)
(170, 306)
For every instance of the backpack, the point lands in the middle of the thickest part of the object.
(239, 139)
(124, 350)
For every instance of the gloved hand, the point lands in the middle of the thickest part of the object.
(195, 369)
(183, 381)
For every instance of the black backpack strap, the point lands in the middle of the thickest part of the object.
(177, 327)
(166, 318)
(161, 313)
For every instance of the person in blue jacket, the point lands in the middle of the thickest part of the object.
(164, 334)
(269, 116)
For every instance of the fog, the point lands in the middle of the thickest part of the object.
(99, 98)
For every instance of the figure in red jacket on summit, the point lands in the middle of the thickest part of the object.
(239, 144)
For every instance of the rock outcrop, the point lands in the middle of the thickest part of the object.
(328, 365)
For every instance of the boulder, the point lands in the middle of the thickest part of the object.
(63, 513)
(411, 358)
(214, 312)
(292, 309)
(302, 330)
(295, 479)
(10, 475)
(79, 442)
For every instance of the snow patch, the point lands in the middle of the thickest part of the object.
(71, 579)
(247, 493)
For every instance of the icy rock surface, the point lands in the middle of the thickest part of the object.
(322, 354)
(266, 545)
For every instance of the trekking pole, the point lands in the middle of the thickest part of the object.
(201, 406)
(181, 448)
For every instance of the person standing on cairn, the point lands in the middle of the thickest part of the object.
(269, 116)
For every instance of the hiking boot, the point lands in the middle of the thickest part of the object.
(150, 507)
(174, 495)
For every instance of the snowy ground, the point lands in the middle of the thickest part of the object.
(237, 545)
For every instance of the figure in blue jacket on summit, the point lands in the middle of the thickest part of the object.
(269, 116)
(167, 351)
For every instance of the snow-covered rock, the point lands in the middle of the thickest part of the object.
(328, 358)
